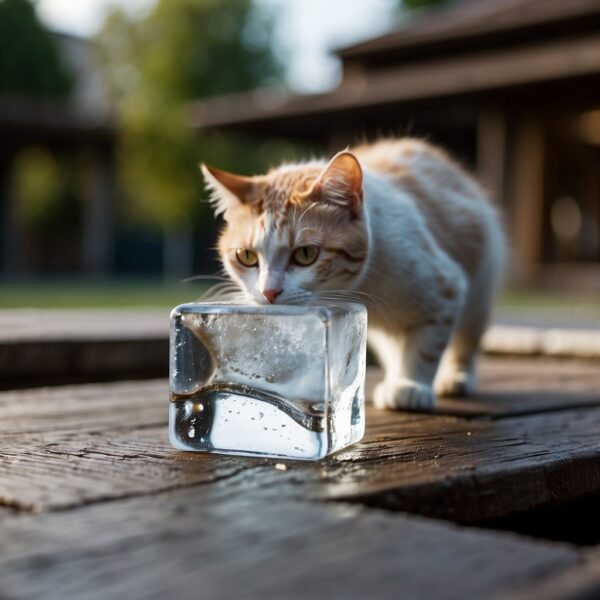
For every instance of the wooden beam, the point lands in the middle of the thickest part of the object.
(526, 64)
(527, 197)
(491, 151)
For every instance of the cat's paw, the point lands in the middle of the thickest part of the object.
(454, 383)
(404, 393)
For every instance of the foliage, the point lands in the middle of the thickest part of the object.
(416, 4)
(30, 64)
(40, 185)
(182, 50)
(29, 60)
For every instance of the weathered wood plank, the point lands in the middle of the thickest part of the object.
(58, 471)
(83, 408)
(112, 442)
(52, 347)
(508, 386)
(581, 581)
(144, 520)
(212, 542)
(515, 386)
(49, 325)
(34, 363)
(472, 471)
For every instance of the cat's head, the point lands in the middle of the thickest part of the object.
(294, 234)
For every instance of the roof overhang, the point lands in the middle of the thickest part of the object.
(28, 119)
(476, 24)
(490, 71)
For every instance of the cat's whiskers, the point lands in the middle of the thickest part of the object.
(360, 297)
(375, 270)
(371, 306)
(366, 295)
(219, 290)
(298, 297)
(206, 278)
(304, 213)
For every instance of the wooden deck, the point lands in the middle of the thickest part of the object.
(94, 503)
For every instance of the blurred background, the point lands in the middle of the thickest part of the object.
(106, 109)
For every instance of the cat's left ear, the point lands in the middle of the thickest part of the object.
(340, 182)
(228, 190)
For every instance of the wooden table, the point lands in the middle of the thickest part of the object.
(94, 503)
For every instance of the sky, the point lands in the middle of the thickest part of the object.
(306, 29)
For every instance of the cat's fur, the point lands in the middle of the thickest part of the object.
(400, 227)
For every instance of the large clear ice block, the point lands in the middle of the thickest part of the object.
(278, 380)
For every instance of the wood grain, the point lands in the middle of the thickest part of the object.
(83, 408)
(95, 504)
(476, 470)
(581, 581)
(212, 542)
(86, 444)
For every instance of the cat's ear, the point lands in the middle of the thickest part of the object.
(340, 182)
(227, 189)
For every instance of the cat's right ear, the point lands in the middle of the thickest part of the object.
(227, 189)
(340, 183)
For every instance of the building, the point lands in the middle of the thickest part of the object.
(81, 126)
(511, 86)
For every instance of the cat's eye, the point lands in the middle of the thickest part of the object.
(246, 257)
(305, 255)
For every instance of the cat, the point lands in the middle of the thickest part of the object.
(396, 225)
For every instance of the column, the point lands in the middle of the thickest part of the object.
(527, 197)
(98, 214)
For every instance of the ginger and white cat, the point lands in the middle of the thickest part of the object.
(396, 225)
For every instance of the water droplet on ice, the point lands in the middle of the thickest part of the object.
(260, 415)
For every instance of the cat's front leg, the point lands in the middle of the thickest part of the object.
(409, 384)
(412, 388)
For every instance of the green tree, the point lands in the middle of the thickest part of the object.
(29, 60)
(30, 65)
(181, 51)
(416, 4)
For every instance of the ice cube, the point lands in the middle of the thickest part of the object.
(277, 380)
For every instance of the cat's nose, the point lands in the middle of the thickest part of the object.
(270, 295)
